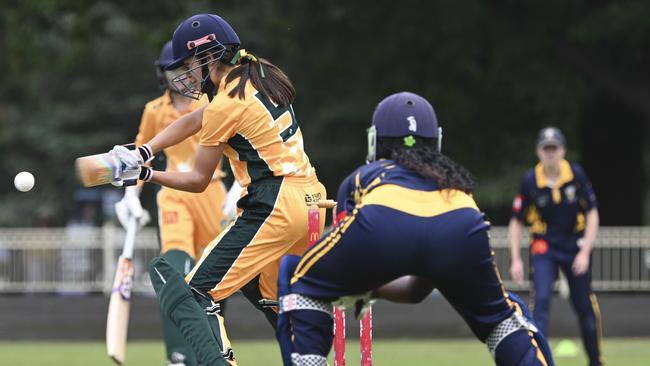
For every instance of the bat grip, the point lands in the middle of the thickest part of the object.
(129, 239)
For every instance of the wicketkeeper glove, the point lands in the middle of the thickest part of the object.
(360, 303)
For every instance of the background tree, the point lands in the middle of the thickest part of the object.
(76, 75)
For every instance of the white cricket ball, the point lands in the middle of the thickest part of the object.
(24, 181)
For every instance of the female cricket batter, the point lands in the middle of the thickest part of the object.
(249, 119)
(187, 222)
(558, 202)
(409, 212)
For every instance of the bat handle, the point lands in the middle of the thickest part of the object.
(129, 240)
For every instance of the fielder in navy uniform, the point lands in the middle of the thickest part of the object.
(558, 202)
(408, 212)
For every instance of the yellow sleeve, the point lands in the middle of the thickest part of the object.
(220, 123)
(147, 129)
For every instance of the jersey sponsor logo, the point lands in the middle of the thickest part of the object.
(312, 198)
(169, 217)
(517, 203)
(413, 124)
(570, 193)
(538, 246)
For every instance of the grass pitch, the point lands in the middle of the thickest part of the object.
(619, 351)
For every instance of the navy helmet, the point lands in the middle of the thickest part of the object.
(201, 38)
(166, 57)
(199, 33)
(406, 115)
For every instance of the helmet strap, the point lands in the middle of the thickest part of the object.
(439, 139)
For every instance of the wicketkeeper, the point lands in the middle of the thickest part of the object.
(409, 211)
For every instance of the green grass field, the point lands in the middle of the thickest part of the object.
(620, 351)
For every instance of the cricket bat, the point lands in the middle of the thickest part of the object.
(117, 321)
(98, 169)
(94, 170)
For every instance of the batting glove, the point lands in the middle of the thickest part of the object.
(129, 206)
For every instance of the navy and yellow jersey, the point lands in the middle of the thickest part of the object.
(385, 183)
(555, 212)
(399, 223)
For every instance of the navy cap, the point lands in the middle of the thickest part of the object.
(166, 55)
(199, 28)
(550, 136)
(404, 114)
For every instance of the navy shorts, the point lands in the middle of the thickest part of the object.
(377, 244)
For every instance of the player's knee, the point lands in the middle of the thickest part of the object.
(521, 349)
(179, 260)
(524, 348)
(517, 341)
(159, 272)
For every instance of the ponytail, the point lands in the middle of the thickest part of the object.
(426, 161)
(267, 78)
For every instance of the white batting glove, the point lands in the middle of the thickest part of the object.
(129, 206)
(230, 205)
(129, 164)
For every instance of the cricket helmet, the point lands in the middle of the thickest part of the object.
(403, 115)
(166, 57)
(202, 38)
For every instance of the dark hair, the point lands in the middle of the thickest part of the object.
(274, 84)
(427, 161)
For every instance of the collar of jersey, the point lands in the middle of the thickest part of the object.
(566, 175)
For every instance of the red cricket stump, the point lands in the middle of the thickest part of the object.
(339, 320)
(339, 316)
(366, 338)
